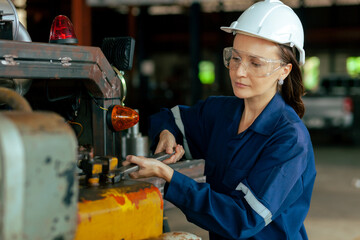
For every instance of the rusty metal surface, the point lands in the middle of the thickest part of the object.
(90, 193)
(49, 196)
(55, 61)
(191, 168)
(105, 141)
(126, 210)
(76, 63)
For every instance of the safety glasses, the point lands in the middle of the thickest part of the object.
(255, 65)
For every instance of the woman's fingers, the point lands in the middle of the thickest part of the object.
(147, 166)
(125, 163)
(179, 152)
(167, 146)
(166, 143)
(134, 159)
(169, 149)
(134, 175)
(159, 148)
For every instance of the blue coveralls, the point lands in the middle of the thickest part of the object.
(258, 183)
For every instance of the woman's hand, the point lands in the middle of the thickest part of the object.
(168, 144)
(149, 167)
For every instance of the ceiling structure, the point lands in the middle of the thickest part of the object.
(166, 7)
(230, 5)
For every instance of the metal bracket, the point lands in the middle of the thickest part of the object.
(9, 60)
(65, 61)
(120, 75)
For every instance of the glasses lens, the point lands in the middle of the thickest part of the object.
(232, 59)
(258, 67)
(235, 60)
(254, 65)
(227, 56)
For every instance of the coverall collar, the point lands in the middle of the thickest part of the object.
(266, 122)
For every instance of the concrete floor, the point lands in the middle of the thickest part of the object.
(335, 208)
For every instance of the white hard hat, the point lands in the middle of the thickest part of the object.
(274, 21)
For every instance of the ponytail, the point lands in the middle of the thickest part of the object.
(293, 89)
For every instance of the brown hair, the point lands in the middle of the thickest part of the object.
(293, 89)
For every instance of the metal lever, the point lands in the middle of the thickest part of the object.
(124, 170)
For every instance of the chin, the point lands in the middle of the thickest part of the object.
(241, 94)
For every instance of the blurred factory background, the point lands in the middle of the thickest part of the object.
(178, 60)
(178, 50)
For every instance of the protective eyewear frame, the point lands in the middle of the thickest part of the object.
(228, 56)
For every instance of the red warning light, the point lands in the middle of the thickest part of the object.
(120, 118)
(62, 31)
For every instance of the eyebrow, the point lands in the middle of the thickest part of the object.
(250, 54)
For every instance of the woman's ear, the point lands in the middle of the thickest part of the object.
(286, 70)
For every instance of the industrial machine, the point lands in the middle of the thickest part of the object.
(60, 164)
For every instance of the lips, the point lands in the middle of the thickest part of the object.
(240, 85)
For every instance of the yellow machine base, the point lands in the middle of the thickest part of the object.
(127, 210)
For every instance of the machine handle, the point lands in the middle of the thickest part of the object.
(124, 170)
(120, 75)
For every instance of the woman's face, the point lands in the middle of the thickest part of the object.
(246, 80)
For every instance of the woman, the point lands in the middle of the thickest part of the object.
(259, 161)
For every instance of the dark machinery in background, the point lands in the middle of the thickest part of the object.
(60, 165)
(12, 29)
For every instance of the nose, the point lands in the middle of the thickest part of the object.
(241, 70)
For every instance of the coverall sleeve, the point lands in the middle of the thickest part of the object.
(254, 203)
(192, 120)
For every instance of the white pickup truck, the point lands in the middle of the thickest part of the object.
(335, 108)
(328, 112)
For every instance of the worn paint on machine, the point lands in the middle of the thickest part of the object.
(128, 210)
